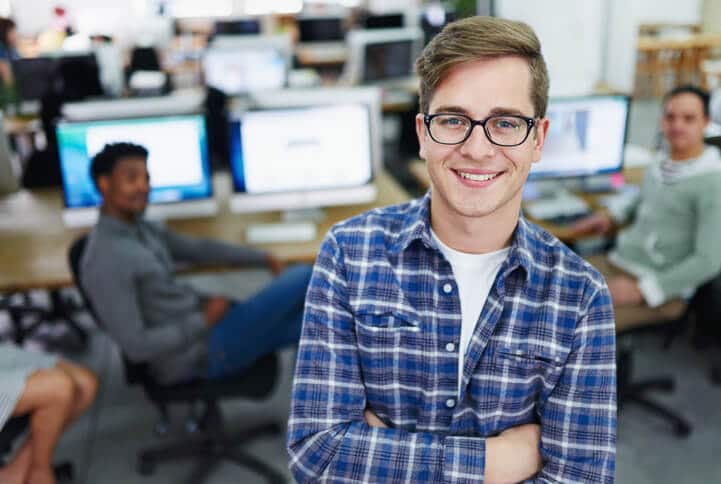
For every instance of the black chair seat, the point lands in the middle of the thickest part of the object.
(12, 429)
(256, 382)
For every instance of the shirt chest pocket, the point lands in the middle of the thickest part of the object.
(391, 348)
(515, 379)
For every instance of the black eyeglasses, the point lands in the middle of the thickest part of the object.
(501, 129)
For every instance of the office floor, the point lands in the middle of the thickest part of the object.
(103, 444)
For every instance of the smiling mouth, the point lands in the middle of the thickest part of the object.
(480, 177)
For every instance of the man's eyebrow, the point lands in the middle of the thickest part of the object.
(493, 112)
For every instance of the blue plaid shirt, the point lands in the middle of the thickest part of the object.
(381, 330)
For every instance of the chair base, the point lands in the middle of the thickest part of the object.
(211, 450)
(636, 393)
(716, 375)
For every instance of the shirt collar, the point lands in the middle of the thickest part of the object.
(417, 226)
(113, 224)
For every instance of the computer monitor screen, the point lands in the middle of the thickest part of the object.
(75, 76)
(387, 21)
(236, 71)
(237, 27)
(586, 136)
(305, 153)
(33, 76)
(390, 60)
(382, 55)
(177, 156)
(321, 29)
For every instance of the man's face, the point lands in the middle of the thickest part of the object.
(683, 122)
(479, 89)
(125, 191)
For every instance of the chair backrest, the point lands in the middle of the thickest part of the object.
(135, 373)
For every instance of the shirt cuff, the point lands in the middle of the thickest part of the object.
(464, 459)
(651, 291)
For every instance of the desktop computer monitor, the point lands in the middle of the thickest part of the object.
(320, 29)
(586, 137)
(247, 26)
(74, 76)
(384, 55)
(239, 65)
(306, 148)
(385, 21)
(180, 179)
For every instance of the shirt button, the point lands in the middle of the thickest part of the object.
(450, 403)
(450, 347)
(447, 288)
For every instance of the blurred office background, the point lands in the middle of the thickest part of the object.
(234, 76)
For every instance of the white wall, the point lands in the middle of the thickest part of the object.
(581, 47)
(570, 32)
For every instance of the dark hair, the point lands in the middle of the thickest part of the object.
(104, 162)
(690, 89)
(6, 25)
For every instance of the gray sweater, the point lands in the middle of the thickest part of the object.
(672, 244)
(128, 275)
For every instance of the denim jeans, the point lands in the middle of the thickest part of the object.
(259, 325)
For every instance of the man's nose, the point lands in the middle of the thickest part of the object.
(478, 145)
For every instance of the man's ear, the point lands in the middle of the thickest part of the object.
(103, 183)
(422, 136)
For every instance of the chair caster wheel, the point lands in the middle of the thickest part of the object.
(146, 467)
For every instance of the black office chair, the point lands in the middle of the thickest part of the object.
(255, 383)
(16, 427)
(630, 391)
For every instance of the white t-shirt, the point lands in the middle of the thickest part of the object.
(474, 275)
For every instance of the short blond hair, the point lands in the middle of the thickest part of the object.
(475, 38)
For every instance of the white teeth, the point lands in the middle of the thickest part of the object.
(477, 177)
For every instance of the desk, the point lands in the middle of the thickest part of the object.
(35, 242)
(563, 232)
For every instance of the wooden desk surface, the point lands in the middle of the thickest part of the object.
(563, 232)
(34, 242)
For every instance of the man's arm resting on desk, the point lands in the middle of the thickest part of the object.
(194, 250)
(328, 436)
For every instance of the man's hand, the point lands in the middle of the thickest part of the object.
(597, 223)
(214, 310)
(514, 455)
(275, 265)
(624, 291)
(372, 420)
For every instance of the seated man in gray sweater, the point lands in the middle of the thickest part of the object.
(128, 275)
(671, 246)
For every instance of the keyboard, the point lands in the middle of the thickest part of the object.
(280, 232)
(564, 206)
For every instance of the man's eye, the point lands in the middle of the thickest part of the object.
(506, 123)
(452, 122)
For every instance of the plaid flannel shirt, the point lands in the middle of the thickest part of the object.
(381, 330)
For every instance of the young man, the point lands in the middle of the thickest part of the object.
(671, 248)
(128, 275)
(448, 339)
